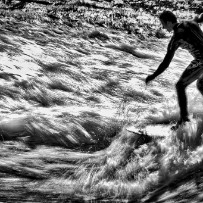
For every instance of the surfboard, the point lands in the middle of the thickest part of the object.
(156, 130)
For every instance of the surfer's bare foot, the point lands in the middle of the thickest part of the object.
(179, 123)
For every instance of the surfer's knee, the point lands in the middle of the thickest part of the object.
(200, 85)
(180, 86)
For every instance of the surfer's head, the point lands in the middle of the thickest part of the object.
(168, 20)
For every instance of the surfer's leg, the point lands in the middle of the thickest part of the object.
(192, 73)
(200, 84)
(182, 100)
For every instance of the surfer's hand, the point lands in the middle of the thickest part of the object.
(149, 78)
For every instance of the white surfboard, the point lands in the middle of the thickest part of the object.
(152, 130)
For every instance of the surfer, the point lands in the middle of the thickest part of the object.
(187, 35)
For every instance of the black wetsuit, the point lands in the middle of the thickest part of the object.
(189, 36)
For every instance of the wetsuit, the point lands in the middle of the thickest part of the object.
(189, 36)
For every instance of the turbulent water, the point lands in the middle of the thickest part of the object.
(67, 96)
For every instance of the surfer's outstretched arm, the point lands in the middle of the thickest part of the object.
(162, 67)
(172, 47)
